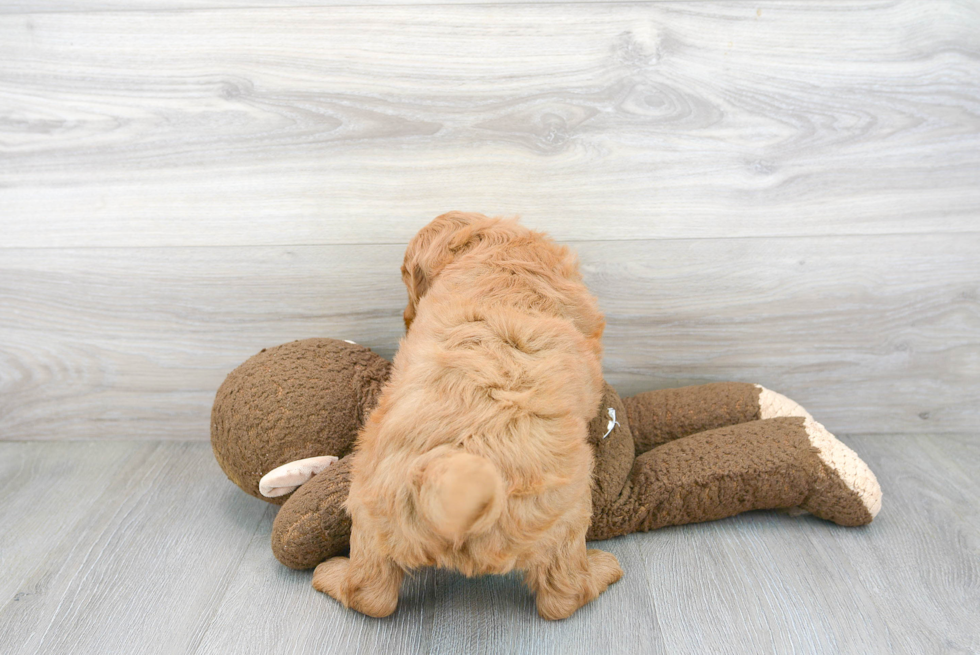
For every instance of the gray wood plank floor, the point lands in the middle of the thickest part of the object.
(145, 547)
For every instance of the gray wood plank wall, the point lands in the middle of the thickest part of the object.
(779, 192)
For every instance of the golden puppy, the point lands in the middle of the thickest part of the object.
(476, 456)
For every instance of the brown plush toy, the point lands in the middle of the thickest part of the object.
(285, 421)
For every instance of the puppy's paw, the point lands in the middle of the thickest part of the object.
(329, 577)
(556, 607)
(559, 601)
(374, 597)
(604, 568)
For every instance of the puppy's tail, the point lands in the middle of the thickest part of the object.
(461, 495)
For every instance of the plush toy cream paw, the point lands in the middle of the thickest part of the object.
(287, 478)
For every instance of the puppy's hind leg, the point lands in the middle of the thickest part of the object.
(570, 578)
(367, 581)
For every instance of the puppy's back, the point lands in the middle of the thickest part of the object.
(480, 456)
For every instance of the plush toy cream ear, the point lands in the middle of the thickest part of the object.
(287, 478)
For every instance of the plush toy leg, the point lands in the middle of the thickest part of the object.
(764, 464)
(656, 417)
(367, 582)
(313, 525)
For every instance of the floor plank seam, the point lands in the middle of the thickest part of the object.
(154, 470)
(230, 575)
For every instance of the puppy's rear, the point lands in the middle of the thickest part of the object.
(476, 457)
(461, 495)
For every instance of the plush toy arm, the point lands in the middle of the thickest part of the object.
(656, 417)
(313, 525)
(764, 464)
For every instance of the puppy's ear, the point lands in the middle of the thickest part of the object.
(434, 248)
(417, 283)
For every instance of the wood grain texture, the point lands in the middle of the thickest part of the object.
(142, 560)
(612, 121)
(168, 556)
(75, 6)
(38, 482)
(871, 334)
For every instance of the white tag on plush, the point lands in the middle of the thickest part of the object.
(288, 477)
(612, 421)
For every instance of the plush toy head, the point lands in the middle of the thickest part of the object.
(302, 399)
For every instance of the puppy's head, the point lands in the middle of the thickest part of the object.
(435, 247)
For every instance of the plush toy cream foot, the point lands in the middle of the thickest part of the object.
(667, 457)
(847, 492)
